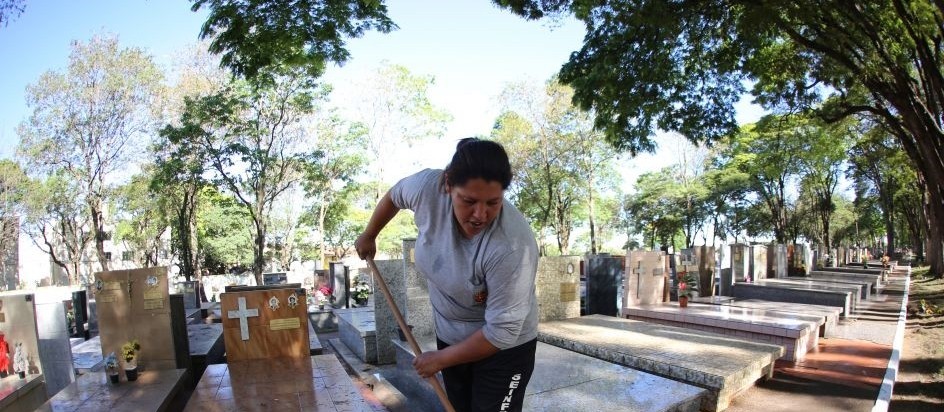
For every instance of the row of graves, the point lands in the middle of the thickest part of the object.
(613, 336)
(156, 350)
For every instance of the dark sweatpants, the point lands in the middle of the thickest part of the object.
(496, 383)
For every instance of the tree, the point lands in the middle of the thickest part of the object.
(681, 66)
(821, 160)
(90, 122)
(223, 231)
(395, 109)
(248, 135)
(767, 153)
(58, 224)
(330, 176)
(13, 183)
(142, 217)
(180, 170)
(654, 212)
(873, 160)
(10, 9)
(256, 36)
(560, 165)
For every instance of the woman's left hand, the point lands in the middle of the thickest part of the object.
(428, 363)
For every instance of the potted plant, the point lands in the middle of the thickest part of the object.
(129, 352)
(324, 294)
(687, 287)
(360, 292)
(111, 367)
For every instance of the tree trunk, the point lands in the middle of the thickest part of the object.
(258, 263)
(98, 226)
(593, 233)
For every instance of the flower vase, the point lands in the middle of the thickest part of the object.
(131, 374)
(683, 301)
(113, 377)
(22, 374)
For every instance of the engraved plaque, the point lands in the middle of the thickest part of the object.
(153, 293)
(284, 324)
(151, 304)
(568, 292)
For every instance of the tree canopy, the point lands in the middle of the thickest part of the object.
(681, 66)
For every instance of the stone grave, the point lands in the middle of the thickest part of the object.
(557, 287)
(645, 279)
(385, 324)
(604, 284)
(758, 262)
(740, 267)
(855, 289)
(357, 329)
(154, 390)
(805, 257)
(795, 294)
(777, 261)
(702, 260)
(277, 316)
(565, 380)
(418, 312)
(723, 365)
(340, 280)
(135, 305)
(55, 347)
(19, 351)
(829, 314)
(190, 291)
(206, 345)
(797, 333)
(274, 278)
(269, 364)
(877, 271)
(874, 280)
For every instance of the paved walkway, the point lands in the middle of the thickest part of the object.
(845, 372)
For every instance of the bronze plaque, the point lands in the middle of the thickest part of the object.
(568, 292)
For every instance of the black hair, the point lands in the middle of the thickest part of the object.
(477, 158)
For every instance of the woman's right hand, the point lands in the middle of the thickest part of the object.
(366, 246)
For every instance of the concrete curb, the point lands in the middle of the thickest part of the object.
(891, 372)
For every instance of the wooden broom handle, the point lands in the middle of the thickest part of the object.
(440, 392)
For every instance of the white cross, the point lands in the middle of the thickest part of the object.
(243, 314)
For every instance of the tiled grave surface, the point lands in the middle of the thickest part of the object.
(795, 332)
(357, 329)
(16, 393)
(153, 391)
(829, 314)
(87, 356)
(723, 365)
(318, 383)
(794, 294)
(565, 380)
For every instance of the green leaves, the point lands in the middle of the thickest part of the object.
(255, 36)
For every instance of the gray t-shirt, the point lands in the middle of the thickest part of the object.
(502, 259)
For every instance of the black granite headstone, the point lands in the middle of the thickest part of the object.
(340, 278)
(604, 281)
(275, 278)
(80, 310)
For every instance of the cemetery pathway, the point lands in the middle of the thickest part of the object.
(844, 373)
